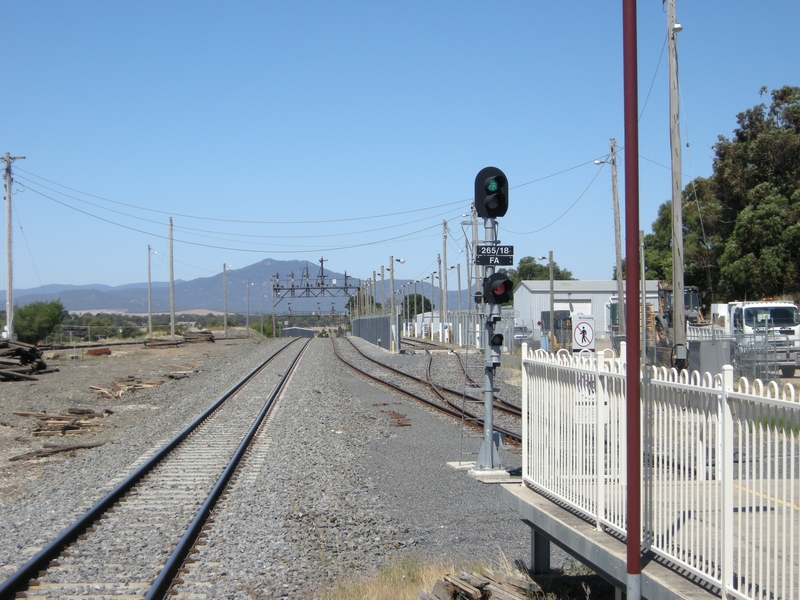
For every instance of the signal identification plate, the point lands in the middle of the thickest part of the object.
(495, 255)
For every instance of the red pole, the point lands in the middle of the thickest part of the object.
(632, 301)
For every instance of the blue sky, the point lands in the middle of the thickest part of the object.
(300, 130)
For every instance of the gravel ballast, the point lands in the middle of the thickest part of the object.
(332, 489)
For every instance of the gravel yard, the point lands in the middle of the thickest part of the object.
(339, 491)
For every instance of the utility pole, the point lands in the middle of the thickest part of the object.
(171, 287)
(443, 282)
(8, 159)
(430, 331)
(467, 255)
(272, 295)
(617, 240)
(395, 344)
(247, 309)
(374, 291)
(149, 299)
(225, 299)
(678, 309)
(458, 272)
(383, 291)
(416, 309)
(441, 298)
(552, 306)
(477, 278)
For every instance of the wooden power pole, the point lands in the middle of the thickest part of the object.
(678, 309)
(8, 159)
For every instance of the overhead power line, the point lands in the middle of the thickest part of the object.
(233, 234)
(185, 216)
(295, 250)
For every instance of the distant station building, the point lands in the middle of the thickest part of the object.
(532, 298)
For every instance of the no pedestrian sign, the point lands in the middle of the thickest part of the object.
(583, 333)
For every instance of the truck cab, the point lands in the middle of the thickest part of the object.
(768, 320)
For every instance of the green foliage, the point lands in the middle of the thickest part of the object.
(528, 269)
(37, 320)
(210, 321)
(742, 225)
(366, 304)
(415, 304)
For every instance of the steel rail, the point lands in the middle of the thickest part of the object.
(453, 412)
(418, 343)
(499, 404)
(30, 569)
(165, 578)
(502, 406)
(513, 408)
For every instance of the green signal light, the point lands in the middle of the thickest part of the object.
(492, 185)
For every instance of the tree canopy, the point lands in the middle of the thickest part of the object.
(529, 269)
(37, 320)
(742, 224)
(415, 304)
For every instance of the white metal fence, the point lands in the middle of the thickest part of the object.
(720, 464)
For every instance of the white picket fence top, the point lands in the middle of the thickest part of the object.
(720, 464)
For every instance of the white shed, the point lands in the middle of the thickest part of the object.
(531, 298)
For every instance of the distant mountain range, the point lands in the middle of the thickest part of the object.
(205, 294)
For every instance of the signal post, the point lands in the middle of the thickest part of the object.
(491, 201)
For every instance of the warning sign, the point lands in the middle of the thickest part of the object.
(582, 333)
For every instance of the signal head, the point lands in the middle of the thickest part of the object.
(491, 193)
(497, 289)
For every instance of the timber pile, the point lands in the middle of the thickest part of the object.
(18, 361)
(128, 385)
(162, 343)
(75, 422)
(472, 586)
(50, 449)
(193, 337)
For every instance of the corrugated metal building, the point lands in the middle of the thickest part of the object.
(588, 297)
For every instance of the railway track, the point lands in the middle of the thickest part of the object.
(134, 541)
(418, 344)
(445, 399)
(499, 402)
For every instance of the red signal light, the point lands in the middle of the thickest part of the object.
(497, 289)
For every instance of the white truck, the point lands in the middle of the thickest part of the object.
(759, 322)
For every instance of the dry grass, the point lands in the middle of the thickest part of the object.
(404, 579)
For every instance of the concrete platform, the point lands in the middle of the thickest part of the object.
(487, 475)
(598, 550)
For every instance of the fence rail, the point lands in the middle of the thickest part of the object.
(720, 464)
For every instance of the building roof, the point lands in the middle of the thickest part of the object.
(575, 286)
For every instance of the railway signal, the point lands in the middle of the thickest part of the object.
(491, 202)
(497, 289)
(495, 345)
(491, 193)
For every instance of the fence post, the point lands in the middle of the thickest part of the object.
(525, 449)
(726, 479)
(599, 444)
